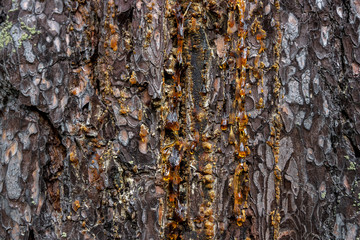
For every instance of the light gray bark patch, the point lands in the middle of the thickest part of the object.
(308, 122)
(287, 117)
(351, 230)
(54, 26)
(27, 5)
(299, 118)
(57, 44)
(320, 4)
(305, 85)
(310, 157)
(316, 84)
(29, 55)
(325, 107)
(124, 137)
(16, 34)
(12, 177)
(293, 95)
(285, 151)
(338, 230)
(15, 215)
(301, 58)
(322, 191)
(324, 35)
(59, 6)
(355, 7)
(292, 27)
(39, 7)
(2, 174)
(269, 157)
(292, 176)
(270, 192)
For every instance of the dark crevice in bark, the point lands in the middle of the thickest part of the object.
(31, 235)
(349, 131)
(55, 151)
(347, 7)
(7, 90)
(94, 61)
(343, 98)
(61, 58)
(125, 16)
(2, 16)
(46, 118)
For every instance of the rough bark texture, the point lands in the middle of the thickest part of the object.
(157, 119)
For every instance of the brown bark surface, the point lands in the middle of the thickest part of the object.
(162, 119)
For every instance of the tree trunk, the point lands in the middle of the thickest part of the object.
(160, 119)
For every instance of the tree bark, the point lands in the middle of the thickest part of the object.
(163, 119)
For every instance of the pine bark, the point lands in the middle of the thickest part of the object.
(166, 119)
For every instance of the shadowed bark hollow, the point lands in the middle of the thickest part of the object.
(164, 119)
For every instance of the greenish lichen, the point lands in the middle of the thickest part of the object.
(32, 30)
(23, 38)
(323, 194)
(5, 35)
(352, 166)
(14, 6)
